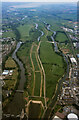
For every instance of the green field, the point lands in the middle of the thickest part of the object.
(61, 37)
(8, 34)
(53, 65)
(35, 62)
(24, 31)
(19, 22)
(10, 81)
(52, 62)
(37, 84)
(48, 55)
(34, 110)
(23, 52)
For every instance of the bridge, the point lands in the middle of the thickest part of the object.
(20, 91)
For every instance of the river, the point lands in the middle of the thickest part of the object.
(36, 27)
(15, 107)
(42, 33)
(52, 102)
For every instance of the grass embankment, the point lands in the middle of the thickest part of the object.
(35, 61)
(28, 35)
(36, 71)
(11, 81)
(53, 65)
(23, 54)
(37, 84)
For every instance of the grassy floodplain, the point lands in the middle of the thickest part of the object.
(35, 62)
(24, 31)
(53, 65)
(8, 34)
(37, 84)
(24, 54)
(61, 37)
(35, 112)
(22, 22)
(10, 81)
(52, 62)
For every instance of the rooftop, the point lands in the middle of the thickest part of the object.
(60, 115)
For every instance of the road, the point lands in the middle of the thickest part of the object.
(43, 75)
(42, 72)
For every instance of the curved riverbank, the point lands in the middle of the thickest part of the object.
(48, 111)
(17, 104)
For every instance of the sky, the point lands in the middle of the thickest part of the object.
(39, 0)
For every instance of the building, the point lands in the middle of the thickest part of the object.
(78, 57)
(57, 118)
(72, 116)
(5, 72)
(60, 115)
(73, 60)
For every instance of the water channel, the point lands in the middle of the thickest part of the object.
(52, 102)
(15, 107)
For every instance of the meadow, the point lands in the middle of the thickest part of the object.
(61, 37)
(8, 34)
(37, 84)
(24, 31)
(53, 66)
(34, 110)
(11, 81)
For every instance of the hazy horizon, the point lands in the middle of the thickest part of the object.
(39, 1)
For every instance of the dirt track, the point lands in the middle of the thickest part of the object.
(32, 68)
(41, 70)
(43, 75)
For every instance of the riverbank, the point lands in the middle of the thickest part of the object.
(17, 104)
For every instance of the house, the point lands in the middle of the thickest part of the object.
(57, 118)
(77, 56)
(73, 60)
(60, 115)
(5, 72)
